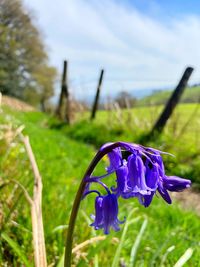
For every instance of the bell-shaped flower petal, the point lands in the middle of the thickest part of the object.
(151, 175)
(115, 158)
(137, 174)
(146, 199)
(174, 183)
(123, 188)
(164, 193)
(98, 218)
(106, 212)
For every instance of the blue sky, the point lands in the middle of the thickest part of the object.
(165, 8)
(140, 43)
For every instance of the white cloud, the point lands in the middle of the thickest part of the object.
(137, 51)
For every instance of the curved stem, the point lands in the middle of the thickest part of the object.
(76, 204)
(94, 180)
(92, 191)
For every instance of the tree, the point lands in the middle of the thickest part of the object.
(124, 99)
(45, 77)
(23, 59)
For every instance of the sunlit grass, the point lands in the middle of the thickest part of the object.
(62, 162)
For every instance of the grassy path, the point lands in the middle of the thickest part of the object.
(62, 162)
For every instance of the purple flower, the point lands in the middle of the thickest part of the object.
(123, 188)
(115, 158)
(106, 212)
(151, 175)
(136, 173)
(143, 174)
(140, 173)
(176, 184)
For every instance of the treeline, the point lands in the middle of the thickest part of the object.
(25, 72)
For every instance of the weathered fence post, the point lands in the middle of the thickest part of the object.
(96, 100)
(67, 95)
(173, 101)
(64, 92)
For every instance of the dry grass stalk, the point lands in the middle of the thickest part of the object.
(26, 194)
(36, 210)
(88, 242)
(119, 114)
(36, 201)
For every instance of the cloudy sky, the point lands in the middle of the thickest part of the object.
(140, 43)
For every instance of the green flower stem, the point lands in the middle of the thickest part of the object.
(75, 208)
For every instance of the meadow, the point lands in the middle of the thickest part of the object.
(154, 236)
(190, 95)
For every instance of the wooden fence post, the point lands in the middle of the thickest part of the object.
(64, 93)
(96, 100)
(67, 95)
(173, 101)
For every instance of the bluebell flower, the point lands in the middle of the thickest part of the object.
(143, 174)
(140, 174)
(115, 158)
(175, 184)
(165, 183)
(123, 187)
(106, 212)
(136, 173)
(98, 217)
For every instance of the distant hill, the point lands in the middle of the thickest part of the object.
(158, 97)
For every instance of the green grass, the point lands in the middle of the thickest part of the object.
(190, 95)
(181, 135)
(63, 155)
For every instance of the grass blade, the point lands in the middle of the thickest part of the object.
(61, 261)
(88, 220)
(164, 257)
(121, 243)
(137, 242)
(184, 258)
(60, 228)
(16, 249)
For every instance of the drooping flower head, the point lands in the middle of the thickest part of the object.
(106, 212)
(140, 173)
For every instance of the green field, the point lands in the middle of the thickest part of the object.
(190, 95)
(63, 154)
